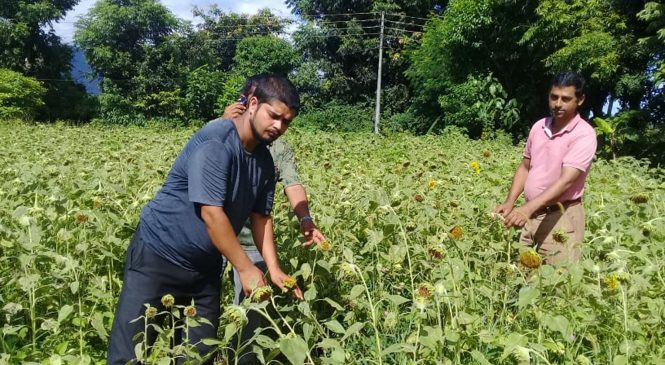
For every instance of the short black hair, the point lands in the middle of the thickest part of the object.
(570, 78)
(269, 87)
(250, 85)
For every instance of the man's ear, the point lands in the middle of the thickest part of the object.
(253, 104)
(580, 100)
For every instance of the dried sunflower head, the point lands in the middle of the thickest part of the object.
(456, 232)
(261, 294)
(190, 311)
(640, 198)
(560, 236)
(424, 291)
(236, 315)
(325, 246)
(436, 252)
(150, 312)
(531, 259)
(168, 300)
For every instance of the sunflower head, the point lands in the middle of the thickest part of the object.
(168, 300)
(261, 294)
(611, 282)
(289, 282)
(531, 259)
(560, 236)
(640, 198)
(424, 291)
(190, 311)
(325, 246)
(456, 232)
(236, 315)
(436, 252)
(150, 312)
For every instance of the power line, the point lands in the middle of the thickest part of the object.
(407, 16)
(403, 23)
(405, 30)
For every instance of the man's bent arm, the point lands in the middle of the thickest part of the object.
(264, 239)
(262, 232)
(225, 240)
(298, 200)
(517, 187)
(552, 194)
(519, 216)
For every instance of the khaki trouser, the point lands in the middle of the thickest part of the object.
(545, 232)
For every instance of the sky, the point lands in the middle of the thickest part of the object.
(181, 8)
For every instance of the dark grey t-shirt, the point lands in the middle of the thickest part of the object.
(212, 169)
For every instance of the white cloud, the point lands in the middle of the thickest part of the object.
(182, 9)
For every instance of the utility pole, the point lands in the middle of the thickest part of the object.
(377, 112)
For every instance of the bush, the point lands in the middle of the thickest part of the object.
(20, 96)
(203, 87)
(338, 118)
(478, 105)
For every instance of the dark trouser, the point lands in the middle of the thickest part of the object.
(147, 278)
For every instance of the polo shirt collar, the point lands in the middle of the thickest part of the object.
(547, 126)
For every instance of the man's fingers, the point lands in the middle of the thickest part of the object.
(298, 293)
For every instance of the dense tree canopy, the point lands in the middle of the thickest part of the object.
(30, 46)
(479, 65)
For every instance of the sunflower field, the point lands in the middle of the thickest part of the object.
(416, 270)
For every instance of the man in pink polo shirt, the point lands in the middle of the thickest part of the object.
(557, 159)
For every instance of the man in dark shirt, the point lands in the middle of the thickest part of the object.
(223, 176)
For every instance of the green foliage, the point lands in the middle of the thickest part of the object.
(344, 47)
(31, 47)
(114, 35)
(230, 92)
(392, 285)
(631, 133)
(479, 106)
(204, 85)
(654, 14)
(598, 39)
(20, 96)
(524, 43)
(158, 67)
(221, 32)
(337, 118)
(477, 38)
(260, 54)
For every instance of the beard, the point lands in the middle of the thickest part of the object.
(258, 135)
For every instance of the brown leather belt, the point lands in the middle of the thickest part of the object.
(557, 207)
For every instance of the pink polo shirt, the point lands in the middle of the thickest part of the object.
(573, 146)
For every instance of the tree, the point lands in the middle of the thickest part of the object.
(477, 38)
(221, 32)
(524, 43)
(20, 96)
(340, 41)
(115, 36)
(31, 47)
(136, 46)
(654, 14)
